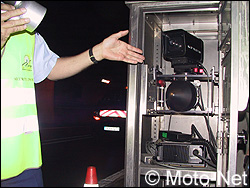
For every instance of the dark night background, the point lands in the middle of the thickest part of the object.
(69, 28)
(65, 107)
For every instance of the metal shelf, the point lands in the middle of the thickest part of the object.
(171, 77)
(199, 173)
(167, 112)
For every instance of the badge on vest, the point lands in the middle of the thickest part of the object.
(27, 66)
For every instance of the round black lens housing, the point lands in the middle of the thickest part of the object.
(181, 96)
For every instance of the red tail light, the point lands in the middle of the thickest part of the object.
(96, 118)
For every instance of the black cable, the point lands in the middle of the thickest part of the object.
(196, 153)
(201, 105)
(200, 94)
(169, 122)
(150, 147)
(207, 144)
(210, 132)
(211, 136)
(213, 141)
(195, 130)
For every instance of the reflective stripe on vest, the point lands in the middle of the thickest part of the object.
(20, 140)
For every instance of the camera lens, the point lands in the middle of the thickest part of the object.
(181, 96)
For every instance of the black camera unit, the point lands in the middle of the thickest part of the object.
(182, 49)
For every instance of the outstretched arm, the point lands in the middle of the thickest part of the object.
(110, 48)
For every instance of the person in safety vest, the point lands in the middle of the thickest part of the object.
(26, 59)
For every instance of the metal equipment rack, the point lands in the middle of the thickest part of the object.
(225, 33)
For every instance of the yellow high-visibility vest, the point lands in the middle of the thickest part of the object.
(20, 139)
